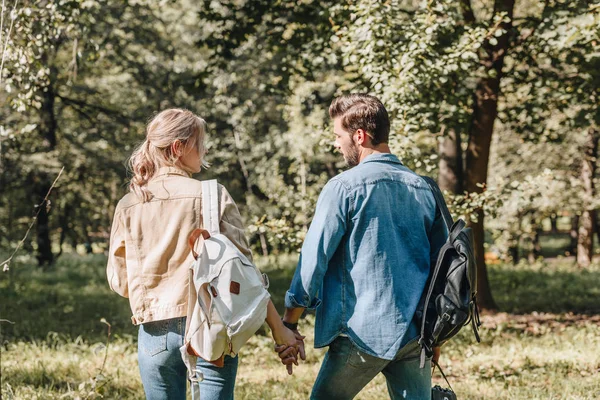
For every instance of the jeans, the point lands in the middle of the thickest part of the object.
(164, 375)
(346, 370)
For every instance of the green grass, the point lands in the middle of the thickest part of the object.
(557, 286)
(542, 346)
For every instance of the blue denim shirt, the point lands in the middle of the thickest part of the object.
(367, 255)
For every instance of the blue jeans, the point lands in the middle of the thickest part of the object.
(346, 370)
(164, 375)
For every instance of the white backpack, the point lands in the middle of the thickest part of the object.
(228, 295)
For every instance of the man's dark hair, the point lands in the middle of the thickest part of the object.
(362, 111)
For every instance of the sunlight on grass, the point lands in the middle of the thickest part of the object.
(541, 351)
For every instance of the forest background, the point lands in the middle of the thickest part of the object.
(496, 99)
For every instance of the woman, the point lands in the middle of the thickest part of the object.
(149, 254)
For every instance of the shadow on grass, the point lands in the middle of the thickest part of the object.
(556, 288)
(73, 297)
(70, 300)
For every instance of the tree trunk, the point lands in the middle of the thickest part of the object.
(47, 128)
(536, 249)
(451, 174)
(574, 234)
(44, 256)
(585, 243)
(514, 249)
(596, 225)
(554, 224)
(263, 244)
(514, 253)
(585, 246)
(485, 110)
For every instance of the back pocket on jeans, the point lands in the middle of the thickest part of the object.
(153, 337)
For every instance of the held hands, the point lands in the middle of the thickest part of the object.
(289, 351)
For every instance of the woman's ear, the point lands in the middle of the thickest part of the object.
(177, 148)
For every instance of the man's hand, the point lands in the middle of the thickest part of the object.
(437, 351)
(300, 344)
(289, 353)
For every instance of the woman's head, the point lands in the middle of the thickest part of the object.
(174, 138)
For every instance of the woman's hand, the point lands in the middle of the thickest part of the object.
(289, 354)
(286, 345)
(284, 336)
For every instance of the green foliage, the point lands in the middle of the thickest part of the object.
(106, 68)
(424, 61)
(421, 62)
(273, 75)
(80, 79)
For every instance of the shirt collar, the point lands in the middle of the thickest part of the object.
(382, 157)
(171, 171)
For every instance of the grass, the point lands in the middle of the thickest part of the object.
(542, 346)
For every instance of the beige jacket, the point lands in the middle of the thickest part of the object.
(149, 254)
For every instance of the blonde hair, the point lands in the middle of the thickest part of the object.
(156, 151)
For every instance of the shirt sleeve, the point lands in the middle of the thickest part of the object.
(116, 269)
(231, 224)
(322, 239)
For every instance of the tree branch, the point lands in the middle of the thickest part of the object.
(82, 104)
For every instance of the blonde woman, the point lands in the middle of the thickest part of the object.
(149, 255)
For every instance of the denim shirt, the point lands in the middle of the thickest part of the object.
(367, 255)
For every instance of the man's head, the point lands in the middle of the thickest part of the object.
(359, 120)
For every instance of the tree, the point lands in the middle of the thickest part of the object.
(82, 77)
(442, 69)
(272, 75)
(424, 76)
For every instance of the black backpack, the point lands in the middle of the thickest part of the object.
(449, 300)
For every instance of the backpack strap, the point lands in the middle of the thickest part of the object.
(195, 376)
(210, 206)
(453, 231)
(456, 229)
(435, 364)
(426, 343)
(441, 203)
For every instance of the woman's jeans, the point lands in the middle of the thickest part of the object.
(163, 372)
(346, 370)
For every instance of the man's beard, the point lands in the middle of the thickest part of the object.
(352, 157)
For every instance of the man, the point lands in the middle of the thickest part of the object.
(365, 262)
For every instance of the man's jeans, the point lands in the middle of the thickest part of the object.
(164, 375)
(346, 370)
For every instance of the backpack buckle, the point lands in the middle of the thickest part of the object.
(196, 375)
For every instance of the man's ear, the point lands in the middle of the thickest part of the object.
(361, 137)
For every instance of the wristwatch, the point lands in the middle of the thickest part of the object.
(290, 326)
